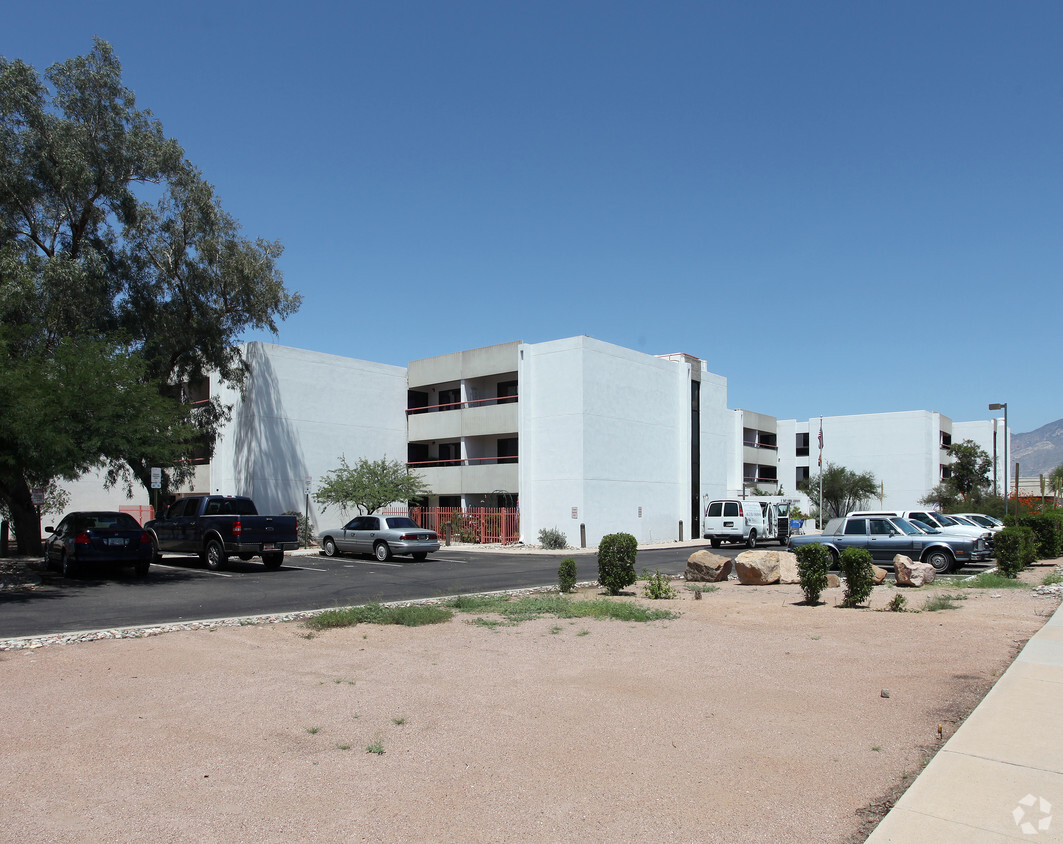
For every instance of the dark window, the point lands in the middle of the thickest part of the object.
(507, 392)
(855, 527)
(802, 445)
(801, 475)
(449, 399)
(449, 451)
(507, 450)
(880, 527)
(450, 501)
(715, 509)
(730, 508)
(416, 399)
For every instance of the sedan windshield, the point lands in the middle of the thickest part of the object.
(906, 526)
(945, 520)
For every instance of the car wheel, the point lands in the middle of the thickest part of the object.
(381, 551)
(835, 562)
(215, 555)
(66, 566)
(941, 560)
(156, 554)
(751, 540)
(716, 543)
(420, 556)
(246, 557)
(142, 567)
(328, 545)
(273, 560)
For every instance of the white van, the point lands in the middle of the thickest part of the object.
(741, 520)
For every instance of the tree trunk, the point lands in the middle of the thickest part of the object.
(16, 494)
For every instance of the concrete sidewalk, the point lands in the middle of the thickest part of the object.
(1000, 776)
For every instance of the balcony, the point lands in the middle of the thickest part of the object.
(462, 419)
(468, 475)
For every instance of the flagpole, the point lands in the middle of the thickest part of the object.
(821, 522)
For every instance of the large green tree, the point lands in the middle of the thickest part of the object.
(122, 283)
(843, 489)
(970, 468)
(368, 485)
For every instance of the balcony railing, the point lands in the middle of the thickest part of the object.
(460, 405)
(460, 461)
(475, 524)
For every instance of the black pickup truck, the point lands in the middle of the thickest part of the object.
(219, 526)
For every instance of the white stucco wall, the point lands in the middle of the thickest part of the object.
(300, 413)
(604, 430)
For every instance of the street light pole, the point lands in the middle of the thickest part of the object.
(1004, 406)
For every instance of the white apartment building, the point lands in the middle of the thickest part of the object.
(583, 436)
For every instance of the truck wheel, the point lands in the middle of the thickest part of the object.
(751, 540)
(215, 556)
(715, 542)
(382, 552)
(273, 559)
(940, 559)
(245, 557)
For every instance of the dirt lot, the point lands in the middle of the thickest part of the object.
(751, 717)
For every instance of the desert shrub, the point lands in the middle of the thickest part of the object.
(856, 565)
(1048, 531)
(616, 561)
(552, 539)
(897, 604)
(658, 586)
(813, 561)
(566, 574)
(1008, 546)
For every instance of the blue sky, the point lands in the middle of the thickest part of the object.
(843, 207)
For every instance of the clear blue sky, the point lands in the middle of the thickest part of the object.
(843, 207)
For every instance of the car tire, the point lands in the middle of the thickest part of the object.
(141, 569)
(716, 543)
(420, 556)
(245, 557)
(941, 560)
(382, 552)
(214, 555)
(273, 560)
(328, 546)
(67, 568)
(835, 561)
(751, 540)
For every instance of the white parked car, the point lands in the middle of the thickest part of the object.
(981, 520)
(938, 521)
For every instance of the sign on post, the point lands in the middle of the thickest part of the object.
(156, 477)
(37, 496)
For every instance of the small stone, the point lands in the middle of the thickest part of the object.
(885, 693)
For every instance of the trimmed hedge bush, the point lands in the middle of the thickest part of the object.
(566, 574)
(856, 565)
(1048, 529)
(616, 561)
(813, 562)
(1014, 547)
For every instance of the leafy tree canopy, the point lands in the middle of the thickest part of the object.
(368, 485)
(122, 282)
(970, 469)
(843, 489)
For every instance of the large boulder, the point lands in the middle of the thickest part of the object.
(879, 574)
(909, 573)
(706, 567)
(788, 567)
(833, 581)
(758, 568)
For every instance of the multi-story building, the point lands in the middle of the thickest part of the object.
(583, 436)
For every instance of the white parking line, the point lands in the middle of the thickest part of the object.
(371, 563)
(183, 568)
(302, 568)
(446, 560)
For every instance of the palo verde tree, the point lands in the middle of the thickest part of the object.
(843, 489)
(368, 485)
(122, 282)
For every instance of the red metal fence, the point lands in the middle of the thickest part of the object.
(478, 525)
(141, 512)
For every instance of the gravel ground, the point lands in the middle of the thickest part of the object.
(750, 717)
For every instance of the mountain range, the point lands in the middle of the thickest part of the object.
(1038, 452)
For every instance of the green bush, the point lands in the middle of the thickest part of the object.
(552, 539)
(1008, 546)
(1048, 529)
(813, 561)
(856, 565)
(566, 574)
(616, 561)
(658, 586)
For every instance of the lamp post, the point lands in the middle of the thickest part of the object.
(1003, 406)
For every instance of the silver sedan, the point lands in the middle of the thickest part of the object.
(381, 536)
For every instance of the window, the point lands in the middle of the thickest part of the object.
(801, 475)
(507, 450)
(730, 508)
(856, 527)
(449, 399)
(507, 392)
(802, 445)
(880, 527)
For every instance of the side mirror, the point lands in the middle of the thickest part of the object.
(49, 529)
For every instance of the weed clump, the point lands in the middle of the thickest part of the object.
(552, 539)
